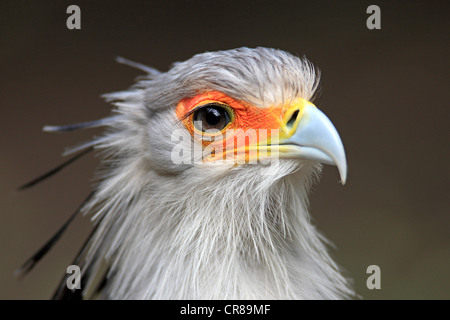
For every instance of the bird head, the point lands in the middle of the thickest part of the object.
(226, 111)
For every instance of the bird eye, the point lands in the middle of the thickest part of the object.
(211, 116)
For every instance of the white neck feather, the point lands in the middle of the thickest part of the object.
(207, 234)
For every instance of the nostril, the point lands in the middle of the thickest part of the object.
(291, 121)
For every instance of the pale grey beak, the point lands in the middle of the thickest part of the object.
(315, 138)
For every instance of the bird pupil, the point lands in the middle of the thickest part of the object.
(212, 116)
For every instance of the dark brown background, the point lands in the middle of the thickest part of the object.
(387, 92)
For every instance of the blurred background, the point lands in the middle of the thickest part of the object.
(386, 91)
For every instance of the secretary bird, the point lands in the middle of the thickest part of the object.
(202, 191)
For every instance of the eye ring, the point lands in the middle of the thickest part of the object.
(212, 116)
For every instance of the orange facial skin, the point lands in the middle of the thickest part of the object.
(257, 126)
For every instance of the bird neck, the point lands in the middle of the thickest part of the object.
(243, 234)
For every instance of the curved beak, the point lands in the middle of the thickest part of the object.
(307, 133)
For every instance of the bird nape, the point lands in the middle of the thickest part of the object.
(202, 190)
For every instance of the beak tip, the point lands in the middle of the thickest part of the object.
(342, 169)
